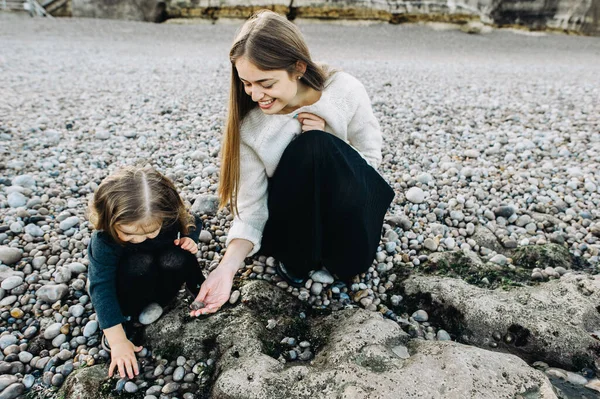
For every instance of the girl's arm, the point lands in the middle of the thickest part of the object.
(122, 352)
(216, 289)
(104, 255)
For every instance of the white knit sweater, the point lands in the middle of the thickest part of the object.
(346, 109)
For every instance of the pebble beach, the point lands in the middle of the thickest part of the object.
(498, 131)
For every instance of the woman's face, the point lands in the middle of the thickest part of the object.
(276, 92)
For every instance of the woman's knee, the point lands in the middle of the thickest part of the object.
(312, 140)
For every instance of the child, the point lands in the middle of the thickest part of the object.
(141, 252)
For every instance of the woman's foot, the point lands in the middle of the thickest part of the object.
(288, 277)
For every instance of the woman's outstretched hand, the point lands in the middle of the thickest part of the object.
(215, 291)
(310, 121)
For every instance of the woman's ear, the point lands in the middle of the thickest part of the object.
(300, 67)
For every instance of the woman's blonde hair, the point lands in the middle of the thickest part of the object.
(270, 42)
(137, 195)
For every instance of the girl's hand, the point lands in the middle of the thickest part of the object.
(188, 244)
(215, 291)
(310, 121)
(123, 357)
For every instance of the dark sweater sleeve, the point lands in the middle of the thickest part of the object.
(194, 233)
(104, 255)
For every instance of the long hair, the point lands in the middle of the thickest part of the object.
(270, 42)
(137, 195)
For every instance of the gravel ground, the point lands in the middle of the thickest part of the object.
(500, 130)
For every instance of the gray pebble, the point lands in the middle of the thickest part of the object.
(420, 315)
(150, 314)
(130, 387)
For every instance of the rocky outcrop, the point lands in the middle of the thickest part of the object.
(557, 321)
(86, 383)
(573, 15)
(355, 353)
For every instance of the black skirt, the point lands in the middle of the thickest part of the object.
(326, 208)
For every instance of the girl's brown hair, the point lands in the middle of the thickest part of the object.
(137, 195)
(270, 42)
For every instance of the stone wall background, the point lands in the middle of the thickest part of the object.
(571, 15)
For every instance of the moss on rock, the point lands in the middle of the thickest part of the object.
(542, 256)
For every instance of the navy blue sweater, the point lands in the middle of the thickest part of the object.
(104, 254)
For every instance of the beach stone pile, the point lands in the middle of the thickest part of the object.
(493, 159)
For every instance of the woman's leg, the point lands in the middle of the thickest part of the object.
(176, 266)
(326, 206)
(137, 276)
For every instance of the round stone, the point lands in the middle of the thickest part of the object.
(131, 387)
(415, 195)
(150, 314)
(11, 282)
(52, 331)
(235, 295)
(420, 315)
(90, 328)
(7, 340)
(430, 244)
(322, 276)
(24, 181)
(34, 230)
(13, 391)
(10, 256)
(178, 374)
(69, 223)
(499, 260)
(16, 200)
(17, 313)
(50, 293)
(77, 310)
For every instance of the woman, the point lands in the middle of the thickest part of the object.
(298, 162)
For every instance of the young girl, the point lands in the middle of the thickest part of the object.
(141, 253)
(298, 162)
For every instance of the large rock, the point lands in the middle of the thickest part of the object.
(560, 14)
(484, 237)
(355, 355)
(86, 383)
(468, 266)
(555, 321)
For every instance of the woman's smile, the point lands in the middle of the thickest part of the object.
(266, 103)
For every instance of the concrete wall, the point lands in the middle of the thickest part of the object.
(573, 15)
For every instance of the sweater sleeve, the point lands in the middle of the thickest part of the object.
(364, 132)
(252, 200)
(104, 257)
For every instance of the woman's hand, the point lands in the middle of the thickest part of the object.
(123, 358)
(310, 121)
(215, 291)
(188, 244)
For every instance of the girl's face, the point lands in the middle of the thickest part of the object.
(136, 233)
(276, 92)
